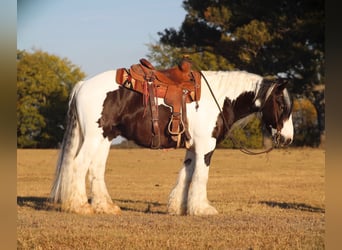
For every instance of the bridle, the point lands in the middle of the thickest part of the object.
(276, 138)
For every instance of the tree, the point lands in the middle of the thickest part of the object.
(248, 136)
(269, 38)
(44, 82)
(305, 122)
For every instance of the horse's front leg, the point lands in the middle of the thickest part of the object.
(178, 198)
(198, 203)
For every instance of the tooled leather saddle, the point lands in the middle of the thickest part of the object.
(177, 86)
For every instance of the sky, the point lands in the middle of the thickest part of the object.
(95, 35)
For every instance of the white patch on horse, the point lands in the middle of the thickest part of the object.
(288, 130)
(257, 103)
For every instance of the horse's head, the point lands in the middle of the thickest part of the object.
(277, 113)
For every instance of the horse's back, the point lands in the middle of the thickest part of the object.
(98, 85)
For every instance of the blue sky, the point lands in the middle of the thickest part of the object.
(95, 35)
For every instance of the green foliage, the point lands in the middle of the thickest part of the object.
(44, 82)
(250, 136)
(261, 36)
(305, 123)
(166, 56)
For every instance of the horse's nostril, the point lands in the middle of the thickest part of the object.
(281, 141)
(288, 141)
(285, 141)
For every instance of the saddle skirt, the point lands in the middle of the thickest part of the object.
(177, 86)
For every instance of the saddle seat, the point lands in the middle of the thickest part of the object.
(179, 74)
(177, 86)
(175, 79)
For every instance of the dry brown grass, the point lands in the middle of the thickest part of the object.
(273, 201)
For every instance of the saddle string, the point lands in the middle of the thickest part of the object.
(154, 110)
(229, 134)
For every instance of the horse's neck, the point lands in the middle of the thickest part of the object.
(242, 112)
(239, 87)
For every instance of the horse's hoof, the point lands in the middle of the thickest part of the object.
(84, 209)
(206, 210)
(107, 209)
(180, 211)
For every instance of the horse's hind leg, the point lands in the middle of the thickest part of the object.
(100, 199)
(178, 198)
(73, 195)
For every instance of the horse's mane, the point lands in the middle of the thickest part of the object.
(232, 83)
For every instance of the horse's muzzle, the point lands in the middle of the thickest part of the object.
(280, 140)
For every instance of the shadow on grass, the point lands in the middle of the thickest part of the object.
(129, 205)
(44, 203)
(293, 205)
(37, 203)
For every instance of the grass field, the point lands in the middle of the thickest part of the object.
(273, 201)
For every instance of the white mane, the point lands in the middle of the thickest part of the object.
(231, 83)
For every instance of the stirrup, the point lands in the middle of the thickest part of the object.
(181, 123)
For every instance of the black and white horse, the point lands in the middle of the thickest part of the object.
(85, 146)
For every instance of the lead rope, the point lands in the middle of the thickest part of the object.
(229, 135)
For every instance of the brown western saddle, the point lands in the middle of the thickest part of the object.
(177, 86)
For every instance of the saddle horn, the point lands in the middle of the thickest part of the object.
(146, 63)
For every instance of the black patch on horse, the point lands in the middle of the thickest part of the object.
(187, 162)
(220, 129)
(207, 158)
(124, 114)
(244, 105)
(232, 111)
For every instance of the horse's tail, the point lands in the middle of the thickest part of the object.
(71, 143)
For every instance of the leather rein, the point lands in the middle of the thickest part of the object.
(229, 134)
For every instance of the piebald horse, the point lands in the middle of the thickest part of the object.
(86, 144)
